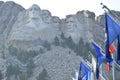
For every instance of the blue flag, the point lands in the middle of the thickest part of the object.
(84, 71)
(112, 30)
(118, 51)
(100, 58)
(88, 77)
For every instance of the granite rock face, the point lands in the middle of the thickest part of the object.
(29, 29)
(55, 64)
(18, 24)
(35, 24)
(8, 13)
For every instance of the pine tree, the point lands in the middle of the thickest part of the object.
(79, 47)
(22, 76)
(56, 41)
(70, 43)
(47, 45)
(42, 75)
(8, 78)
(30, 67)
(1, 76)
(41, 50)
(62, 36)
(13, 70)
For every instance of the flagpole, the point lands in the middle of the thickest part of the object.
(113, 67)
(105, 7)
(113, 56)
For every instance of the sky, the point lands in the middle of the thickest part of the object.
(61, 8)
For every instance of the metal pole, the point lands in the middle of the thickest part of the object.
(113, 69)
(114, 59)
(113, 56)
(112, 13)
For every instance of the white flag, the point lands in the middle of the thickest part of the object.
(93, 63)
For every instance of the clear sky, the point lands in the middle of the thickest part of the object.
(61, 8)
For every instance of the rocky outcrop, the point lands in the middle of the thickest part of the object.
(35, 24)
(101, 20)
(32, 24)
(60, 64)
(29, 29)
(8, 13)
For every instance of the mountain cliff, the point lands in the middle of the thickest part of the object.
(19, 25)
(36, 45)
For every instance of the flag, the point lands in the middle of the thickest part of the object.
(108, 66)
(92, 76)
(88, 76)
(100, 58)
(93, 63)
(76, 75)
(112, 49)
(112, 30)
(118, 50)
(84, 71)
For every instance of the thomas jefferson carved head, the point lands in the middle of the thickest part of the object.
(56, 21)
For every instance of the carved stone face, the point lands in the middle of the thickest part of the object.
(46, 16)
(70, 24)
(72, 28)
(34, 11)
(56, 22)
